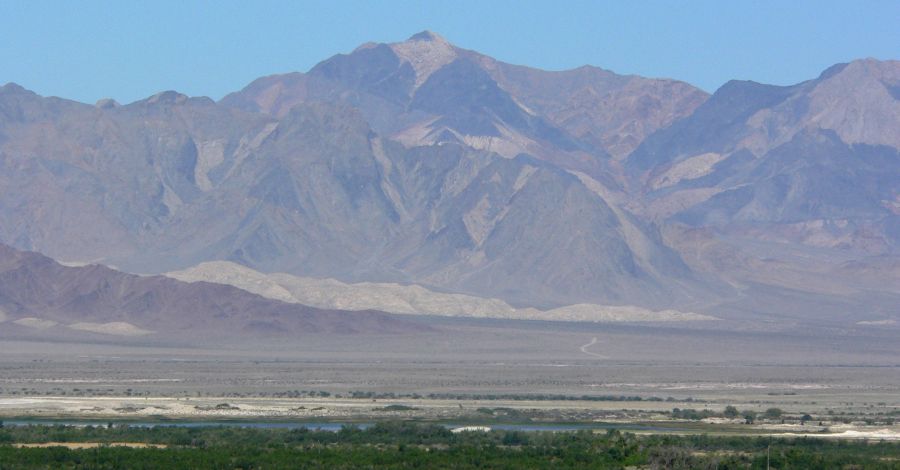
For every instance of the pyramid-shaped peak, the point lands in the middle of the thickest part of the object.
(426, 52)
(427, 36)
(12, 88)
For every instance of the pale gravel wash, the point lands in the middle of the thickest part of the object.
(111, 328)
(409, 299)
(38, 323)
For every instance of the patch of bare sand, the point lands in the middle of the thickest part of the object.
(876, 434)
(112, 328)
(38, 323)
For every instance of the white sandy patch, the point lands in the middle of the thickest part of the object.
(19, 401)
(715, 386)
(98, 381)
(333, 294)
(616, 313)
(38, 323)
(879, 434)
(233, 274)
(688, 169)
(14, 402)
(471, 429)
(416, 134)
(413, 299)
(75, 264)
(877, 322)
(112, 328)
(509, 144)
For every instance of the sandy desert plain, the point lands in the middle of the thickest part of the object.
(485, 372)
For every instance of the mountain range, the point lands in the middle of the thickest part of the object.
(41, 298)
(421, 163)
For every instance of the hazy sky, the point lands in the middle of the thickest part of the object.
(128, 50)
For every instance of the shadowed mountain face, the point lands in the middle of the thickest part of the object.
(781, 188)
(38, 294)
(815, 163)
(99, 181)
(420, 162)
(316, 192)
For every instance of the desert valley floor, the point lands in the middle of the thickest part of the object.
(464, 369)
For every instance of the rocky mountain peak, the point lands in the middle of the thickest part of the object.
(426, 36)
(886, 71)
(107, 103)
(13, 88)
(426, 52)
(860, 101)
(167, 97)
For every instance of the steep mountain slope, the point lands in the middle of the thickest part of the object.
(102, 180)
(39, 294)
(605, 110)
(858, 101)
(324, 197)
(779, 190)
(170, 181)
(422, 163)
(816, 163)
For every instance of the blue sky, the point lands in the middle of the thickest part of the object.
(128, 50)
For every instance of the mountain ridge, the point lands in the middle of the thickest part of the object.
(408, 299)
(420, 162)
(39, 294)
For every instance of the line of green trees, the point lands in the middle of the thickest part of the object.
(409, 445)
